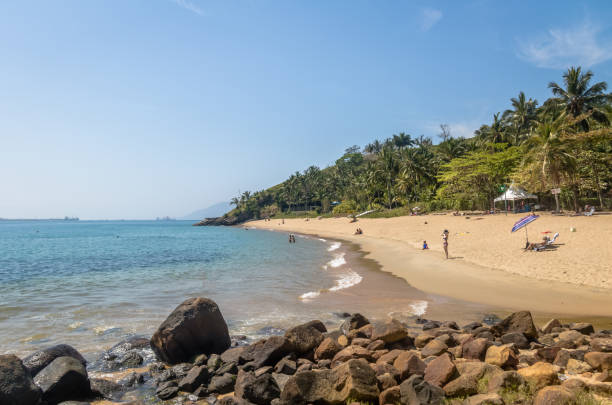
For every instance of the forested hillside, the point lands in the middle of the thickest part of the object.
(563, 142)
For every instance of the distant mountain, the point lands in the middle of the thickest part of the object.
(213, 211)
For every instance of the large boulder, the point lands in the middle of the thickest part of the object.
(327, 349)
(268, 352)
(408, 364)
(195, 326)
(471, 374)
(440, 371)
(306, 337)
(504, 356)
(351, 352)
(355, 321)
(416, 391)
(64, 379)
(354, 380)
(599, 360)
(475, 349)
(389, 332)
(260, 389)
(197, 376)
(16, 385)
(602, 345)
(517, 322)
(557, 395)
(42, 358)
(540, 375)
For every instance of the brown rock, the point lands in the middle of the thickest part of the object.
(570, 339)
(577, 367)
(376, 345)
(557, 395)
(390, 396)
(351, 352)
(599, 360)
(476, 349)
(342, 341)
(547, 354)
(389, 332)
(327, 349)
(540, 375)
(484, 399)
(305, 337)
(504, 356)
(386, 380)
(470, 373)
(574, 384)
(441, 370)
(363, 342)
(583, 327)
(517, 322)
(434, 348)
(409, 363)
(550, 325)
(507, 379)
(601, 345)
(390, 357)
(354, 379)
(422, 339)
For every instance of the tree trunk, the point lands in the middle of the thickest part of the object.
(575, 197)
(557, 203)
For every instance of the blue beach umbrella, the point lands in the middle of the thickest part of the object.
(522, 223)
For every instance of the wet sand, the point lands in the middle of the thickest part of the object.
(487, 265)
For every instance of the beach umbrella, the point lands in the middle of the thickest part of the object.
(523, 222)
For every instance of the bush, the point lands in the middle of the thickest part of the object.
(345, 207)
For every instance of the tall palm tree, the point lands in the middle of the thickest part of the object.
(387, 165)
(578, 98)
(521, 116)
(549, 161)
(402, 140)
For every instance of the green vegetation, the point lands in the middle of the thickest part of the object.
(565, 143)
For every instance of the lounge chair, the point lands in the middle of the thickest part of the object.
(548, 243)
(590, 212)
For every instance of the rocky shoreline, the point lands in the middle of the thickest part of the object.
(191, 359)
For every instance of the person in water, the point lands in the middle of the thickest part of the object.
(445, 242)
(425, 245)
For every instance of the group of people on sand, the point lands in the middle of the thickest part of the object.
(444, 243)
(358, 231)
(291, 238)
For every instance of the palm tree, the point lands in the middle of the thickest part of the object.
(402, 140)
(578, 98)
(387, 164)
(494, 133)
(235, 201)
(521, 116)
(373, 147)
(549, 162)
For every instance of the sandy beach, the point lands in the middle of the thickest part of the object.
(487, 263)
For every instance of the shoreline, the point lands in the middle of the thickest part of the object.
(461, 279)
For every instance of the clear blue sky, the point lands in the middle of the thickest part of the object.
(145, 108)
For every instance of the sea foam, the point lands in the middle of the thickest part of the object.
(347, 280)
(337, 261)
(334, 246)
(419, 307)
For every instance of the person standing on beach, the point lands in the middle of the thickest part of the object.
(445, 242)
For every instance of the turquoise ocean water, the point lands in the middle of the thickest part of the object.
(92, 283)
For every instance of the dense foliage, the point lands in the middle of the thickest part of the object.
(564, 143)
